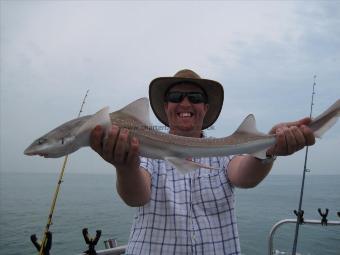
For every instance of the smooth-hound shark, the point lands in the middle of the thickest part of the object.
(75, 134)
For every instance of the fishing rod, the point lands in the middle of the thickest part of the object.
(299, 213)
(47, 237)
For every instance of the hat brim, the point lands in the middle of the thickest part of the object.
(214, 90)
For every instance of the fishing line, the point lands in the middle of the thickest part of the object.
(56, 192)
(299, 213)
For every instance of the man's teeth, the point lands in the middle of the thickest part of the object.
(185, 114)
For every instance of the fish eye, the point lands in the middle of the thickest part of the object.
(42, 140)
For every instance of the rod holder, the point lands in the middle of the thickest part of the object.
(323, 216)
(37, 244)
(299, 216)
(91, 242)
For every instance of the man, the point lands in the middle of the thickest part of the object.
(191, 213)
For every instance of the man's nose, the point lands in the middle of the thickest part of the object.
(185, 102)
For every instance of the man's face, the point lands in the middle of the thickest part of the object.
(185, 118)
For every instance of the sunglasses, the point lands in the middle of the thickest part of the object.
(193, 97)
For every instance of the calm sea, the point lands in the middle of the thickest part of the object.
(91, 201)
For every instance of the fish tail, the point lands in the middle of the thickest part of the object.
(325, 121)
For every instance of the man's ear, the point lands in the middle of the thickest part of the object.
(166, 107)
(206, 107)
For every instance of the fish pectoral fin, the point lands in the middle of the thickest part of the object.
(184, 165)
(102, 117)
(260, 154)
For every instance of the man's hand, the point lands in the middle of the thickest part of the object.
(247, 172)
(133, 182)
(116, 148)
(291, 137)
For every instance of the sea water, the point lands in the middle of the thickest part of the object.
(91, 201)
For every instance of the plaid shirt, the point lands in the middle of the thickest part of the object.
(187, 214)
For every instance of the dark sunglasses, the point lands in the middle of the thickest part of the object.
(193, 97)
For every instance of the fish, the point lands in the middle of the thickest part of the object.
(74, 134)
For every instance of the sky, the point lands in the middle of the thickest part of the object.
(265, 53)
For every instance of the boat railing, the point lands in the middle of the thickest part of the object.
(111, 251)
(121, 249)
(294, 221)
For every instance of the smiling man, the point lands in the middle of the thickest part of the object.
(192, 213)
(185, 108)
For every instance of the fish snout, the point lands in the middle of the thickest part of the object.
(29, 152)
(32, 152)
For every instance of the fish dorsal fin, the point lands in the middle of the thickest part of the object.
(102, 117)
(138, 109)
(248, 125)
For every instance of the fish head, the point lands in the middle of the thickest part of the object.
(58, 142)
(51, 145)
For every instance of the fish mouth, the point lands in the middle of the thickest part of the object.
(29, 152)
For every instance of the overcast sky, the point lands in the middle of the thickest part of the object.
(264, 53)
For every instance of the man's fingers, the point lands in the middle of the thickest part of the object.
(115, 148)
(133, 154)
(121, 146)
(308, 134)
(96, 139)
(291, 143)
(299, 137)
(285, 142)
(291, 139)
(109, 143)
(298, 123)
(280, 143)
(304, 121)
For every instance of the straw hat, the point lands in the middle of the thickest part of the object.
(160, 86)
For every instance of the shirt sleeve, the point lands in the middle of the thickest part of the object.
(147, 164)
(225, 161)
